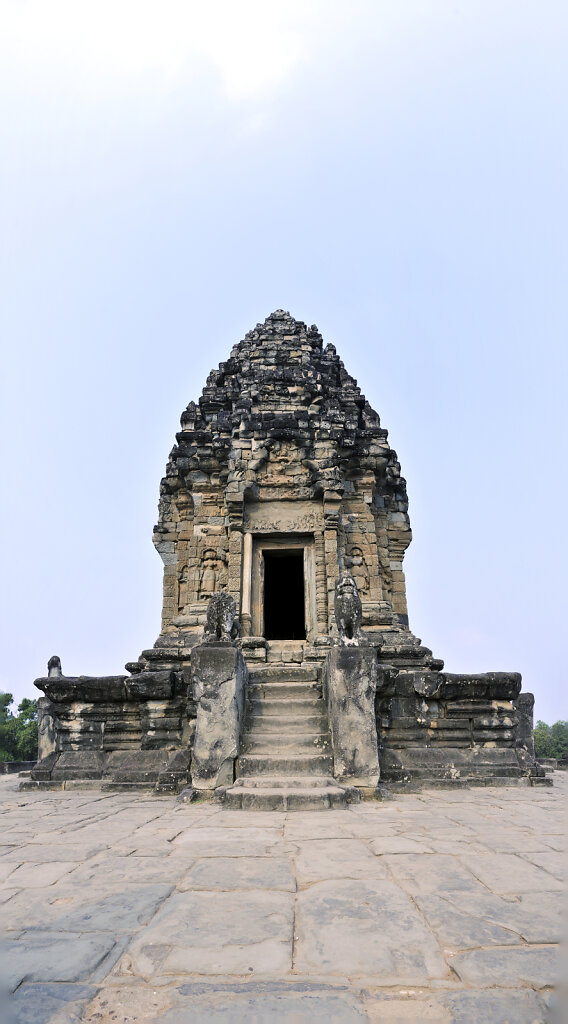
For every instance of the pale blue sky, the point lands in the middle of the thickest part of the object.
(394, 171)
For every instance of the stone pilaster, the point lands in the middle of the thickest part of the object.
(219, 688)
(351, 684)
(331, 505)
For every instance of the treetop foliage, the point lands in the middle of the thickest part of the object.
(551, 740)
(18, 733)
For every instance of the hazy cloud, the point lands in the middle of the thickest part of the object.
(251, 45)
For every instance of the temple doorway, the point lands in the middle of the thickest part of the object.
(284, 597)
(282, 586)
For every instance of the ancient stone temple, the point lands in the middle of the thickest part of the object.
(285, 673)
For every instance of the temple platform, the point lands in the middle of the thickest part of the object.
(444, 906)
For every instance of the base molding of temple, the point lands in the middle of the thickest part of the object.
(433, 728)
(285, 673)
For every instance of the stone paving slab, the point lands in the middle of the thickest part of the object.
(486, 968)
(320, 859)
(439, 906)
(511, 872)
(227, 873)
(342, 928)
(217, 933)
(49, 1002)
(52, 956)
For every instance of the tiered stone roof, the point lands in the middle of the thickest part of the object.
(280, 384)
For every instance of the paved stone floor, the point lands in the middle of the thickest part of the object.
(443, 906)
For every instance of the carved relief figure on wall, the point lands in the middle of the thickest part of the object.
(282, 456)
(283, 467)
(212, 575)
(348, 611)
(183, 590)
(357, 566)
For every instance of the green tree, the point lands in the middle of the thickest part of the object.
(26, 730)
(542, 741)
(551, 740)
(6, 730)
(559, 736)
(18, 733)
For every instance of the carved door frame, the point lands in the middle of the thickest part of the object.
(279, 542)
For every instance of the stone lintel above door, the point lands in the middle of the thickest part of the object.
(278, 517)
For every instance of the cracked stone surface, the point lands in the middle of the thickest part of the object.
(439, 906)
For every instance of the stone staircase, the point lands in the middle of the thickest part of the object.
(286, 760)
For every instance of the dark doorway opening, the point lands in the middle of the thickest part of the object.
(284, 595)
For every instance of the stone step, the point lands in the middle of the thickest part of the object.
(298, 706)
(273, 743)
(290, 781)
(285, 650)
(289, 673)
(292, 764)
(286, 738)
(127, 787)
(300, 724)
(287, 793)
(285, 799)
(257, 691)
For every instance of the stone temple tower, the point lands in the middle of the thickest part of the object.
(285, 673)
(281, 478)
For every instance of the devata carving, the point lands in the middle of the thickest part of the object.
(183, 589)
(348, 612)
(211, 574)
(222, 625)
